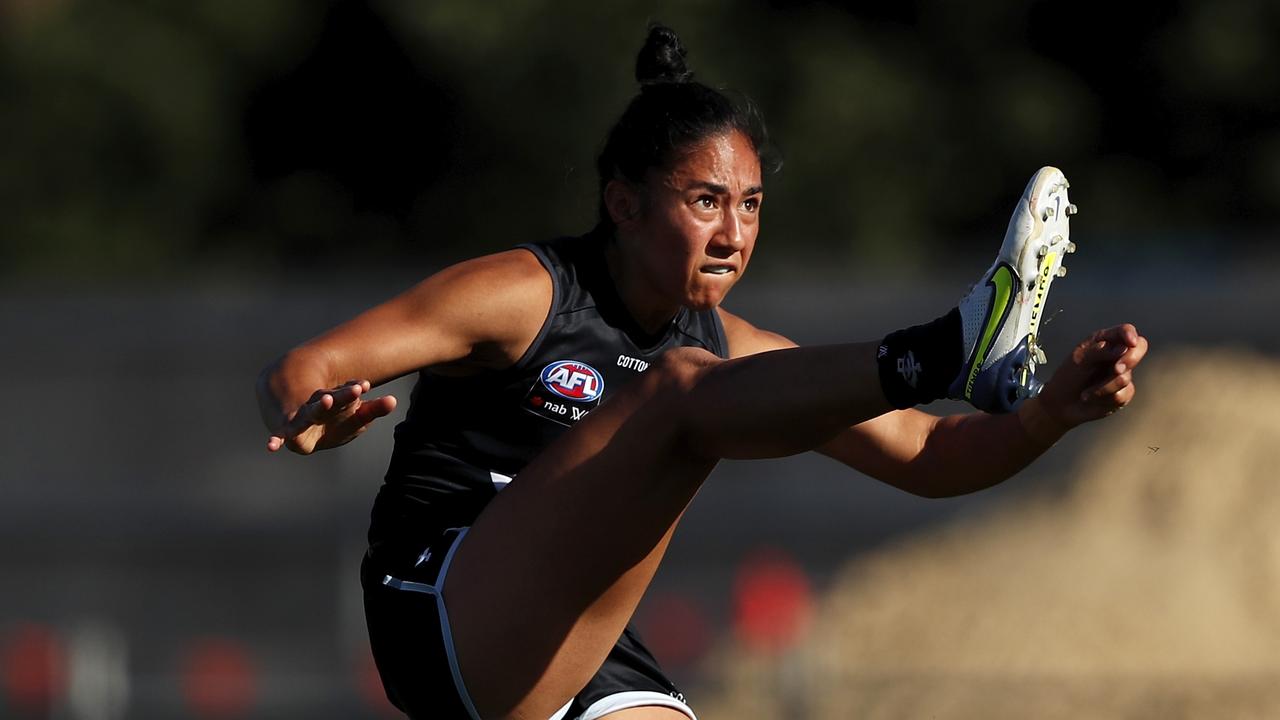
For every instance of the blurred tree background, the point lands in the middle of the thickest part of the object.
(146, 139)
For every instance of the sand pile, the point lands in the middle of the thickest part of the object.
(1151, 589)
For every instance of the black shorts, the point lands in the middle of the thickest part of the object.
(413, 647)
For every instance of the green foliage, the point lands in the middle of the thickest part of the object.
(904, 129)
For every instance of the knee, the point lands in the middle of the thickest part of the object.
(682, 367)
(669, 383)
(677, 372)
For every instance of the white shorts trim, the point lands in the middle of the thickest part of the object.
(437, 591)
(634, 699)
(499, 480)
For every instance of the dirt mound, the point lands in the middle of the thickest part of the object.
(1152, 589)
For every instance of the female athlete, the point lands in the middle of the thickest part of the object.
(574, 394)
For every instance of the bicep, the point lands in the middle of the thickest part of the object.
(483, 311)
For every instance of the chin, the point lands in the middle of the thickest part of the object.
(708, 293)
(704, 301)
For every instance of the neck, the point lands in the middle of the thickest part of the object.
(641, 299)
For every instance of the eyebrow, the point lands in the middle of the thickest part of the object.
(722, 190)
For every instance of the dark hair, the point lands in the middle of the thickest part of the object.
(672, 113)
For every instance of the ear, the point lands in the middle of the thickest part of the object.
(622, 200)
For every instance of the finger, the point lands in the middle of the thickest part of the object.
(1123, 334)
(347, 429)
(1125, 396)
(309, 414)
(355, 382)
(345, 395)
(327, 406)
(342, 397)
(1134, 354)
(1107, 388)
(1106, 344)
(1131, 334)
(378, 407)
(370, 410)
(1097, 351)
(365, 386)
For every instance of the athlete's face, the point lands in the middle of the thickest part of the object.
(697, 222)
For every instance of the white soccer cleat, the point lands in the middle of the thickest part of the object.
(1001, 314)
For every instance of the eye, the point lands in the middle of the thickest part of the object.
(707, 202)
(751, 204)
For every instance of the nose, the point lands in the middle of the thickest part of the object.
(729, 235)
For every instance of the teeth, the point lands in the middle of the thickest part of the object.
(717, 270)
(1072, 209)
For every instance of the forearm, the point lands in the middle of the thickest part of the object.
(967, 453)
(284, 385)
(942, 457)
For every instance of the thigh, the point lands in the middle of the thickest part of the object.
(553, 568)
(411, 639)
(409, 631)
(630, 684)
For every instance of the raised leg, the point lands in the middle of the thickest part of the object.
(552, 570)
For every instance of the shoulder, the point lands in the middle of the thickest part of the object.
(504, 284)
(509, 291)
(570, 260)
(519, 267)
(747, 339)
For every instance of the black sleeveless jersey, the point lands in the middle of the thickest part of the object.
(464, 437)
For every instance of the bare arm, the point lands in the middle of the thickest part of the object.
(935, 456)
(476, 315)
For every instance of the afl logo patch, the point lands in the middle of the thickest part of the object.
(573, 380)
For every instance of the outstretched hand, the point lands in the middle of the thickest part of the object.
(1097, 379)
(331, 418)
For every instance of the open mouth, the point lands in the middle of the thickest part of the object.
(717, 270)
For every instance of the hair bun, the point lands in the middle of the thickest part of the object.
(661, 60)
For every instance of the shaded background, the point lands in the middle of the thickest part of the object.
(189, 189)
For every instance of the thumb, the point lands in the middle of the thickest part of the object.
(1099, 350)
